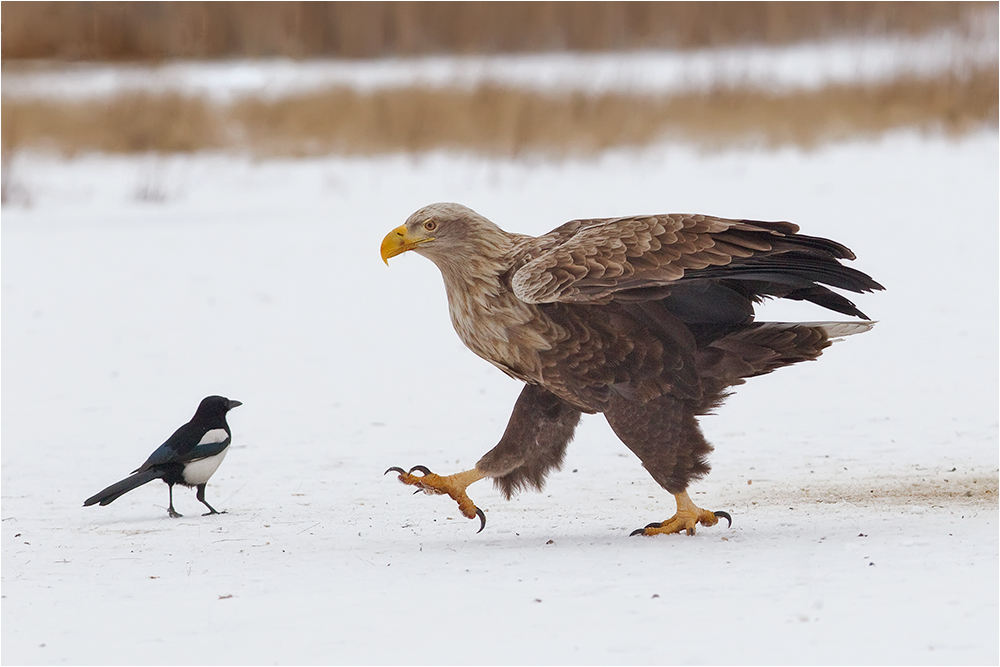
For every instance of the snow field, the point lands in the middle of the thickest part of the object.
(862, 487)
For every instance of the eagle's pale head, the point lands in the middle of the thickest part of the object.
(446, 233)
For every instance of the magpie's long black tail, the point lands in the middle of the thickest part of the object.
(113, 492)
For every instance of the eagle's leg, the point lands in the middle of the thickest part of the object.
(534, 443)
(687, 517)
(665, 435)
(452, 485)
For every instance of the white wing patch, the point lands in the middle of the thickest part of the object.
(198, 472)
(214, 436)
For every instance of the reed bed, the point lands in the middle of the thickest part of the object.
(489, 118)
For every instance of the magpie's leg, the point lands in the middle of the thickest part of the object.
(201, 496)
(170, 510)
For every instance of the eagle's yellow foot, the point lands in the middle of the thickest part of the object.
(687, 517)
(452, 485)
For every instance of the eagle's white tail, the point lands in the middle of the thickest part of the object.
(833, 330)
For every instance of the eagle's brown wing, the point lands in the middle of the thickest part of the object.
(641, 258)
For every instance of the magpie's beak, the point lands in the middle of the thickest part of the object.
(232, 404)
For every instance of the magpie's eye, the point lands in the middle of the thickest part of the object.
(430, 225)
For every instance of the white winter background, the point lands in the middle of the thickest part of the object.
(862, 486)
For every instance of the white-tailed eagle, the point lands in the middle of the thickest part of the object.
(646, 319)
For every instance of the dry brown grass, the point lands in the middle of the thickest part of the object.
(124, 124)
(489, 119)
(159, 30)
(501, 121)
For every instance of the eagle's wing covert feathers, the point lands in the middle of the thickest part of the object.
(591, 260)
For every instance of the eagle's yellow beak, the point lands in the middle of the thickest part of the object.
(399, 241)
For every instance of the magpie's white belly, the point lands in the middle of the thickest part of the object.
(198, 472)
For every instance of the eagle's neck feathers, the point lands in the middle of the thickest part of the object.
(488, 317)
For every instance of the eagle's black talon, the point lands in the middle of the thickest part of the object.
(642, 531)
(394, 469)
(725, 515)
(482, 519)
(424, 469)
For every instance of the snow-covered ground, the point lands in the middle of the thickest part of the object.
(806, 65)
(862, 487)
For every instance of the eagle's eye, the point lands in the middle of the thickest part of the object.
(430, 225)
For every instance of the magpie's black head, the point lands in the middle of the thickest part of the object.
(215, 406)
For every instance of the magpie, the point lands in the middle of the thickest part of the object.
(189, 457)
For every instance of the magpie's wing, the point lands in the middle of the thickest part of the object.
(203, 451)
(175, 448)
